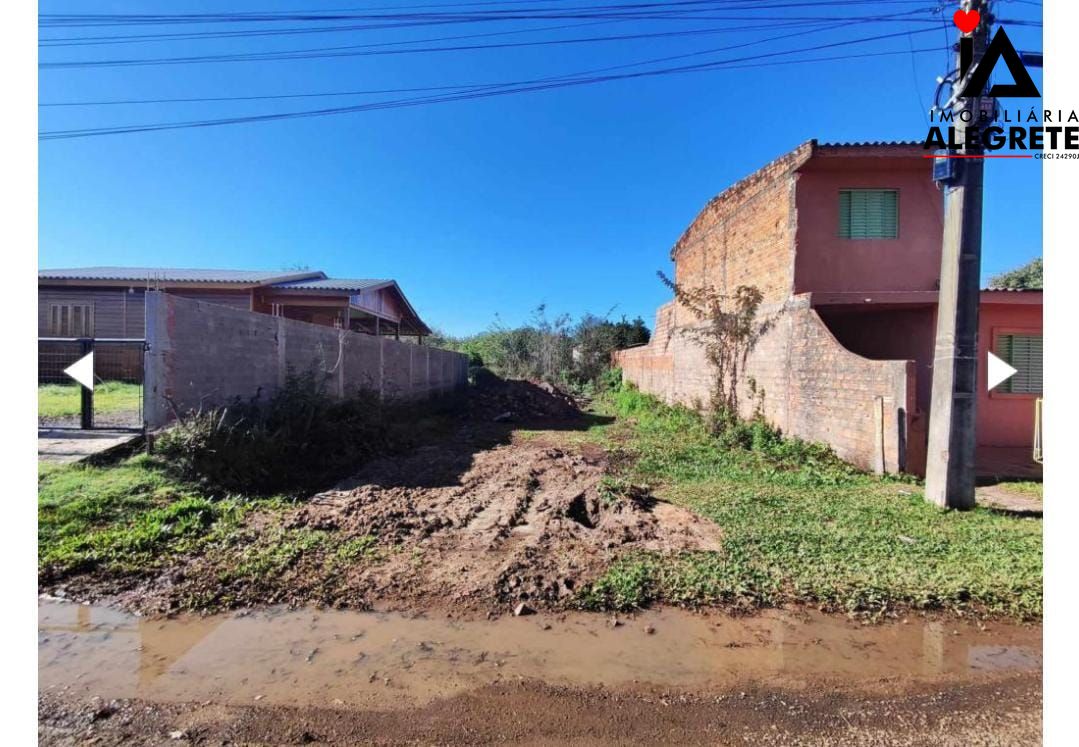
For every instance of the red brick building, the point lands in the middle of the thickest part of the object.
(844, 243)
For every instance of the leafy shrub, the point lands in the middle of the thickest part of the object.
(609, 380)
(557, 350)
(301, 438)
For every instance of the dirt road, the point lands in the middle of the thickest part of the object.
(659, 677)
(1001, 713)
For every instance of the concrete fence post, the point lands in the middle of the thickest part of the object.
(154, 410)
(341, 340)
(282, 361)
(880, 457)
(381, 367)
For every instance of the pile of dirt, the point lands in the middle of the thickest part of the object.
(517, 523)
(517, 401)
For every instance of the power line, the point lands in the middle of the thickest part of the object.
(512, 88)
(95, 41)
(91, 132)
(438, 88)
(269, 97)
(365, 50)
(77, 20)
(384, 24)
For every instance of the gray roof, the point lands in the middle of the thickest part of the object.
(874, 144)
(334, 284)
(176, 275)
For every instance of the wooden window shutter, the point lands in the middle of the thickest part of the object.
(1024, 353)
(868, 213)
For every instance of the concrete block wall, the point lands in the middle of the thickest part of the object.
(203, 355)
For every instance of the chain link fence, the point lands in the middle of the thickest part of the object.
(116, 401)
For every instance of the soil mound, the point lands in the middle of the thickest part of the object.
(515, 401)
(523, 523)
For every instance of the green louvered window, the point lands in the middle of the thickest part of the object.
(868, 213)
(1024, 353)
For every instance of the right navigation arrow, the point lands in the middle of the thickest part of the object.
(999, 372)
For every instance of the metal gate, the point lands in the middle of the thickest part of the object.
(115, 402)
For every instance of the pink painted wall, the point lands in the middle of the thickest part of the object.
(825, 262)
(1005, 419)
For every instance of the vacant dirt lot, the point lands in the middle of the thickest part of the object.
(522, 522)
(480, 519)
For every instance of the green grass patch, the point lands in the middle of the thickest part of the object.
(1025, 487)
(799, 525)
(64, 400)
(278, 549)
(136, 517)
(123, 518)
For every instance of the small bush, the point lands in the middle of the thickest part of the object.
(300, 439)
(609, 380)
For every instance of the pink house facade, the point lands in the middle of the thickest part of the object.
(844, 242)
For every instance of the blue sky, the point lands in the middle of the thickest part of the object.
(570, 197)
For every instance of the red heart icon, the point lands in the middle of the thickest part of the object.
(967, 20)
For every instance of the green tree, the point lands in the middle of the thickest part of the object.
(1029, 276)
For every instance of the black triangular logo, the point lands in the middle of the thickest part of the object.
(1001, 46)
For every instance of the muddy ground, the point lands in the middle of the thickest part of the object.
(657, 677)
(483, 518)
(479, 521)
(524, 522)
(1002, 712)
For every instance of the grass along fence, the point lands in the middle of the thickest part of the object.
(799, 525)
(64, 400)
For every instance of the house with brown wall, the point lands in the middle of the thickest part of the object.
(107, 302)
(844, 243)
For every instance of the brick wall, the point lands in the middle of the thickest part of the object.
(203, 354)
(806, 383)
(745, 236)
(812, 386)
(816, 389)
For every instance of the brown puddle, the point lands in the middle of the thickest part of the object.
(382, 660)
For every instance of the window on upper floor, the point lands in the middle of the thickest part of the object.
(868, 213)
(1022, 352)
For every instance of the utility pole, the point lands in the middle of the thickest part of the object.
(949, 480)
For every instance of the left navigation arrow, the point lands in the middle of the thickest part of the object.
(82, 370)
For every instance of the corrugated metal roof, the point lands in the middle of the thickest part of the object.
(175, 275)
(1013, 290)
(334, 284)
(875, 144)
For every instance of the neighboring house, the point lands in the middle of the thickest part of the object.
(107, 302)
(844, 242)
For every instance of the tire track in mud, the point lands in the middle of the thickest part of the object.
(525, 522)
